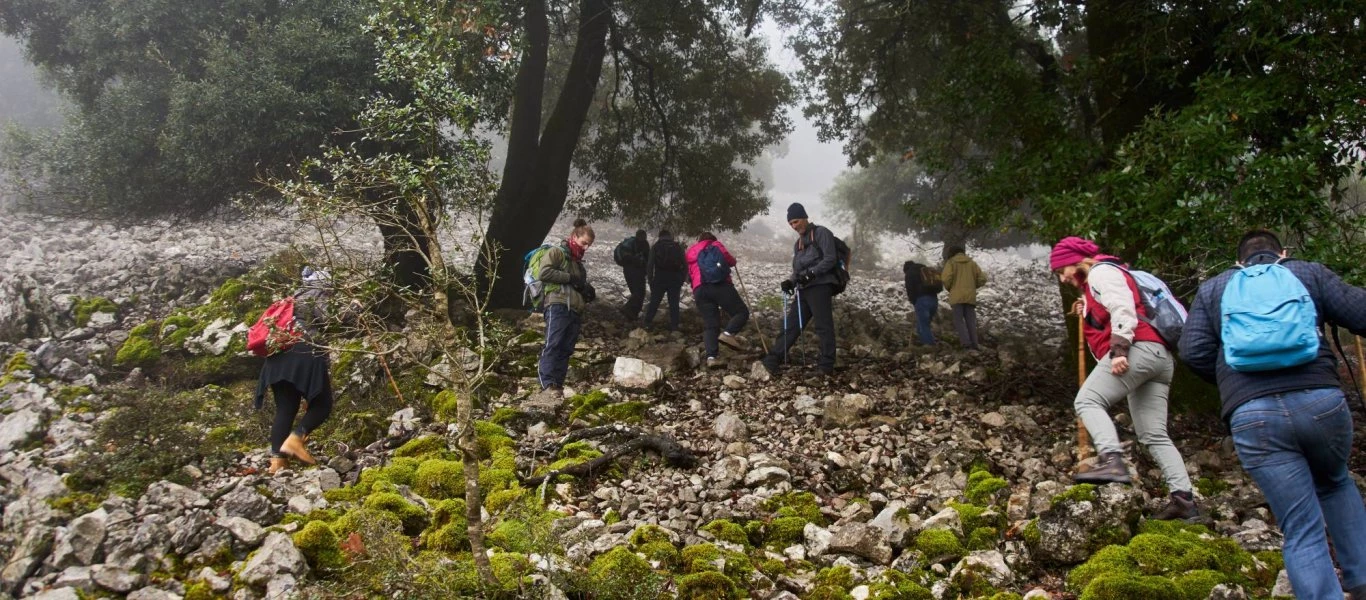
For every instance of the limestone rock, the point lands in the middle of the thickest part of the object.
(633, 373)
(1073, 528)
(729, 427)
(861, 539)
(847, 410)
(79, 542)
(277, 556)
(897, 524)
(989, 565)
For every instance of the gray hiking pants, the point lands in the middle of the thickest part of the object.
(1146, 384)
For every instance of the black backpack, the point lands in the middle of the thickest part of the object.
(626, 255)
(669, 256)
(843, 255)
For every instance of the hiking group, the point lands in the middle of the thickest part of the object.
(1256, 331)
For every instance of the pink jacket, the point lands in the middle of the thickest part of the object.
(695, 274)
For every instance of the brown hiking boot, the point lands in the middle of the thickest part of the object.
(1109, 468)
(295, 449)
(1181, 507)
(277, 463)
(735, 342)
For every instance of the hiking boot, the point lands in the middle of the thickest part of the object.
(714, 363)
(1181, 507)
(277, 463)
(1109, 468)
(770, 365)
(294, 448)
(734, 341)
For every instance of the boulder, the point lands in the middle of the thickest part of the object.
(79, 542)
(19, 428)
(1083, 520)
(633, 373)
(729, 427)
(847, 410)
(897, 524)
(249, 504)
(988, 565)
(861, 539)
(766, 476)
(27, 557)
(276, 557)
(816, 539)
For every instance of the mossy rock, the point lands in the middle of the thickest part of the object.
(512, 570)
(427, 446)
(497, 501)
(439, 478)
(898, 586)
(939, 545)
(412, 516)
(504, 458)
(663, 554)
(512, 536)
(1119, 586)
(137, 351)
(1082, 492)
(85, 308)
(490, 437)
(839, 577)
(448, 531)
(983, 538)
(785, 531)
(727, 531)
(648, 534)
(319, 544)
(828, 592)
(445, 406)
(707, 585)
(1196, 585)
(364, 520)
(983, 488)
(620, 574)
(703, 557)
(795, 504)
(494, 480)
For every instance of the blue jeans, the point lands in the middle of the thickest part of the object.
(1295, 446)
(925, 308)
(561, 333)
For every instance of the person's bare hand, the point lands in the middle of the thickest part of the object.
(1078, 306)
(1119, 365)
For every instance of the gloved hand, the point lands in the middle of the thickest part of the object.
(589, 294)
(788, 286)
(576, 281)
(806, 277)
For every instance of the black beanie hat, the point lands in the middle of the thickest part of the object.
(796, 211)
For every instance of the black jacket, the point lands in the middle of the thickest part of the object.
(915, 284)
(1202, 347)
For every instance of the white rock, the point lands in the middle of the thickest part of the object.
(766, 476)
(729, 427)
(634, 373)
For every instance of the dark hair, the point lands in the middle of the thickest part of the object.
(706, 237)
(641, 236)
(1256, 241)
(665, 233)
(952, 251)
(581, 229)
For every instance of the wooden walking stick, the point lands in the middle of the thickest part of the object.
(1361, 367)
(1083, 436)
(762, 342)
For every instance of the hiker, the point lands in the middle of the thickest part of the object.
(709, 265)
(566, 292)
(962, 277)
(666, 270)
(923, 285)
(1282, 400)
(813, 280)
(1132, 362)
(633, 255)
(299, 375)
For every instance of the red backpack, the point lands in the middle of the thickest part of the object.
(275, 331)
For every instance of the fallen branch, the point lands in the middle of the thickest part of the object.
(673, 453)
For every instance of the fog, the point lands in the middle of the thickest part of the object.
(23, 99)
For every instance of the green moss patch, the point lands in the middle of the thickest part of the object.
(795, 504)
(983, 487)
(621, 574)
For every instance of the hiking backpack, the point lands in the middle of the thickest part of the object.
(1269, 320)
(533, 289)
(1165, 313)
(626, 255)
(711, 264)
(843, 255)
(669, 256)
(931, 282)
(276, 330)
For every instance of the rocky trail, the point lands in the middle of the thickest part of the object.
(132, 464)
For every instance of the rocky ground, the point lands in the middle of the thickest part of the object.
(132, 464)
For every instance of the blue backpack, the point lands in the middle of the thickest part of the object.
(712, 264)
(1269, 320)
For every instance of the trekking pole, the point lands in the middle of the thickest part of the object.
(800, 325)
(745, 293)
(1361, 366)
(784, 328)
(1083, 436)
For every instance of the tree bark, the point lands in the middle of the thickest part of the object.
(536, 175)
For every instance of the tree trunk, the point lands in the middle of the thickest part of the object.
(405, 245)
(536, 175)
